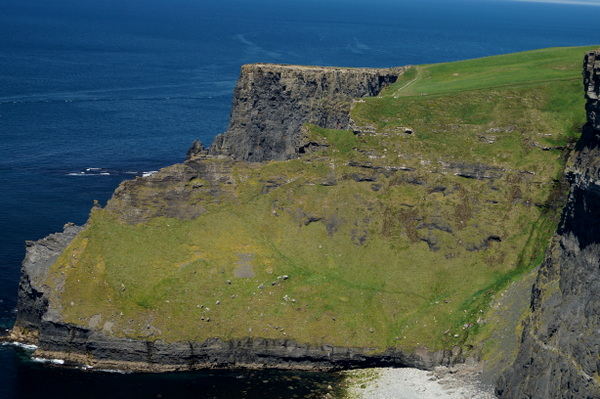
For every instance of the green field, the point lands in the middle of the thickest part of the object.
(396, 236)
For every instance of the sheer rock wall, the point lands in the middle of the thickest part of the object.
(560, 345)
(272, 102)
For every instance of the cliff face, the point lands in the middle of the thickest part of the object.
(591, 81)
(560, 349)
(272, 102)
(92, 348)
(33, 301)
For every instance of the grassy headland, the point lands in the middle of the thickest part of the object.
(398, 235)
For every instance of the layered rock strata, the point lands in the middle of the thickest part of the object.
(176, 191)
(272, 102)
(560, 345)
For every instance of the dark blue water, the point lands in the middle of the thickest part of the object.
(127, 85)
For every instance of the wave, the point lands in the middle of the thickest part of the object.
(28, 347)
(111, 371)
(44, 360)
(110, 172)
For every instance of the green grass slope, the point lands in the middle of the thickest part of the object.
(397, 236)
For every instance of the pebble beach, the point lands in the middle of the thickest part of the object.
(458, 382)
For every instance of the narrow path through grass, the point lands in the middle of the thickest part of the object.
(418, 71)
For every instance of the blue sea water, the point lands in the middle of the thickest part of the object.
(94, 92)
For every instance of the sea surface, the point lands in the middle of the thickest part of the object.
(93, 92)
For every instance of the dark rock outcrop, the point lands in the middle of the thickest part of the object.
(591, 79)
(560, 346)
(40, 255)
(175, 191)
(272, 102)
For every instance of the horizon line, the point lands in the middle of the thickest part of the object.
(567, 2)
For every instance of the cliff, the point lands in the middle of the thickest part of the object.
(379, 245)
(559, 350)
(40, 255)
(272, 102)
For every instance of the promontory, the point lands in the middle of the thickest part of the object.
(352, 217)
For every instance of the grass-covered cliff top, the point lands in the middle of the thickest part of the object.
(397, 235)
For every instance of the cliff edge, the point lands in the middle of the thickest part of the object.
(559, 346)
(272, 102)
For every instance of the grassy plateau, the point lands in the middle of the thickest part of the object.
(395, 235)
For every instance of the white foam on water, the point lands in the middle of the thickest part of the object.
(113, 371)
(44, 360)
(30, 347)
(109, 172)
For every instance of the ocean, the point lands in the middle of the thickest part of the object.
(94, 92)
